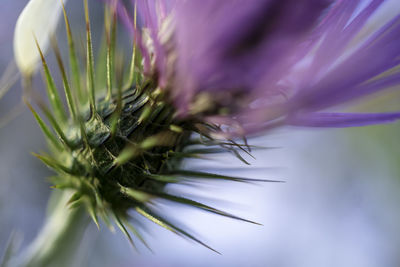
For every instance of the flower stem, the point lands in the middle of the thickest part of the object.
(59, 239)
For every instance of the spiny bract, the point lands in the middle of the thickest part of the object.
(117, 153)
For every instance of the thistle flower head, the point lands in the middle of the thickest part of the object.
(120, 143)
(201, 70)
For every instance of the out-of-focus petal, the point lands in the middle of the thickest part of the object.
(231, 45)
(362, 73)
(38, 19)
(253, 64)
(341, 120)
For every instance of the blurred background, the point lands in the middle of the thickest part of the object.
(339, 205)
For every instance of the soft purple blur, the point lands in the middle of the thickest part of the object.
(270, 62)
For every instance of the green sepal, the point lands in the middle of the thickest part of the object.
(154, 217)
(73, 59)
(47, 132)
(89, 62)
(123, 229)
(206, 175)
(52, 92)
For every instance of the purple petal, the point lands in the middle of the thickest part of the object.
(231, 45)
(354, 76)
(338, 30)
(268, 62)
(341, 119)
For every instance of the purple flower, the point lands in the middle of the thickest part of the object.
(255, 64)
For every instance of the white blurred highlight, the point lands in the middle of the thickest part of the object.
(38, 19)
